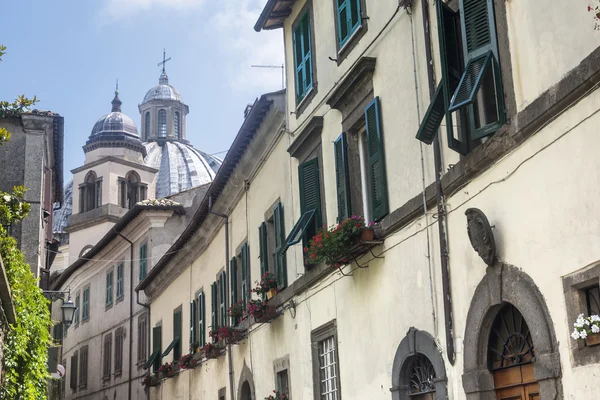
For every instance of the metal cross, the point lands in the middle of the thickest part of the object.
(164, 61)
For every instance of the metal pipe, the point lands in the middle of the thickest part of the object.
(149, 333)
(439, 196)
(227, 289)
(130, 312)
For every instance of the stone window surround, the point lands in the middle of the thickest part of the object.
(417, 342)
(279, 365)
(573, 285)
(245, 376)
(142, 360)
(502, 284)
(222, 393)
(308, 97)
(351, 43)
(269, 219)
(317, 335)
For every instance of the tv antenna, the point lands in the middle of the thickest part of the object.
(274, 66)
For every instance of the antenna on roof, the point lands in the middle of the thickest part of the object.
(274, 66)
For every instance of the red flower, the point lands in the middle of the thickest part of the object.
(589, 8)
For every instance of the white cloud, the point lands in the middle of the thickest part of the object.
(234, 25)
(117, 9)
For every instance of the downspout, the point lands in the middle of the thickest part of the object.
(146, 306)
(130, 311)
(439, 197)
(227, 289)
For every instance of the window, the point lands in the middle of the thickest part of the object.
(348, 19)
(162, 124)
(325, 362)
(177, 125)
(272, 239)
(214, 307)
(119, 281)
(193, 323)
(131, 190)
(342, 183)
(147, 125)
(85, 309)
(175, 344)
(282, 382)
(142, 343)
(74, 369)
(592, 300)
(76, 317)
(83, 367)
(303, 57)
(155, 359)
(234, 282)
(240, 279)
(470, 91)
(118, 351)
(107, 357)
(376, 170)
(222, 321)
(201, 319)
(109, 287)
(90, 193)
(143, 248)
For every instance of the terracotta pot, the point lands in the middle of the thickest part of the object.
(367, 235)
(266, 315)
(236, 336)
(271, 293)
(593, 339)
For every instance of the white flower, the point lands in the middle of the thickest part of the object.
(583, 334)
(575, 335)
(6, 198)
(595, 329)
(578, 324)
(587, 321)
(595, 318)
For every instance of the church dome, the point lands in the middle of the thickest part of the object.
(114, 126)
(180, 166)
(163, 91)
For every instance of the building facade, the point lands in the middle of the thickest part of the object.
(33, 158)
(462, 129)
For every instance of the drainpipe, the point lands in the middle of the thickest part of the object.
(227, 289)
(439, 197)
(130, 311)
(147, 307)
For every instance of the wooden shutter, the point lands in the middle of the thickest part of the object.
(156, 346)
(107, 355)
(233, 272)
(302, 56)
(263, 249)
(142, 262)
(118, 351)
(376, 160)
(343, 17)
(281, 264)
(222, 296)
(310, 189)
(214, 307)
(177, 334)
(193, 335)
(201, 319)
(433, 116)
(245, 274)
(74, 370)
(109, 288)
(340, 147)
(83, 367)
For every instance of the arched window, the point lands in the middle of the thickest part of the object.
(177, 125)
(132, 190)
(147, 125)
(90, 193)
(422, 378)
(162, 123)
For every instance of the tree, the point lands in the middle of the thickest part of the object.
(26, 343)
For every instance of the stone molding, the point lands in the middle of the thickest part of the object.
(417, 342)
(503, 284)
(246, 376)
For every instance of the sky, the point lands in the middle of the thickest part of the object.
(69, 53)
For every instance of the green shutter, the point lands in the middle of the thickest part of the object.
(245, 274)
(376, 161)
(342, 181)
(119, 280)
(310, 189)
(177, 334)
(156, 346)
(433, 117)
(280, 258)
(213, 302)
(193, 335)
(263, 249)
(109, 288)
(143, 261)
(222, 291)
(233, 273)
(201, 319)
(349, 19)
(302, 57)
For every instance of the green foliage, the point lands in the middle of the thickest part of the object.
(26, 343)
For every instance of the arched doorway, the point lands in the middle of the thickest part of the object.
(246, 392)
(510, 356)
(245, 389)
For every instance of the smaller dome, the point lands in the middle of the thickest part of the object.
(163, 91)
(115, 123)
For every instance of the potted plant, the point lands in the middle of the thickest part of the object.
(194, 347)
(211, 350)
(187, 361)
(332, 245)
(261, 311)
(267, 285)
(167, 370)
(588, 329)
(277, 396)
(236, 311)
(150, 380)
(231, 335)
(214, 334)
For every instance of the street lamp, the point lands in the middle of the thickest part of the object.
(68, 308)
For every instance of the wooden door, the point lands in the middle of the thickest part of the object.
(516, 383)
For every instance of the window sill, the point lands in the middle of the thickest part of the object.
(306, 100)
(120, 299)
(108, 307)
(351, 43)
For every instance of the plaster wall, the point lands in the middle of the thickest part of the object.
(86, 237)
(120, 152)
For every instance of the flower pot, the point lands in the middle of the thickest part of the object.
(267, 314)
(593, 339)
(171, 373)
(367, 235)
(214, 352)
(271, 293)
(236, 336)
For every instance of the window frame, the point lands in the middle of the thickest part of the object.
(83, 367)
(201, 301)
(142, 344)
(344, 48)
(120, 292)
(107, 357)
(77, 304)
(322, 333)
(303, 101)
(143, 260)
(110, 277)
(158, 125)
(74, 371)
(118, 365)
(85, 305)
